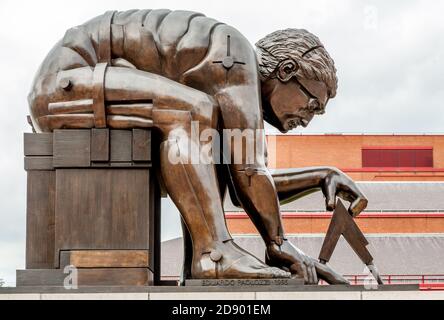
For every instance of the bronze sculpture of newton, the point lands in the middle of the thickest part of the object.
(164, 69)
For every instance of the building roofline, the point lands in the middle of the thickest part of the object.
(287, 214)
(400, 182)
(367, 235)
(274, 133)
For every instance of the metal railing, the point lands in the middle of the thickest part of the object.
(389, 279)
(398, 278)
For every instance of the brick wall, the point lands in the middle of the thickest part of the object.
(345, 152)
(379, 223)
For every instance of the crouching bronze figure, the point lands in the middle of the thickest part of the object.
(167, 69)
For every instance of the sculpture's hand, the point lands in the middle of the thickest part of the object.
(138, 115)
(289, 257)
(128, 116)
(336, 183)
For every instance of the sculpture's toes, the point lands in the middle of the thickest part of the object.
(278, 273)
(229, 261)
(248, 267)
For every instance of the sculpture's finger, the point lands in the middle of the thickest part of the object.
(315, 274)
(305, 272)
(347, 195)
(358, 206)
(300, 270)
(311, 270)
(143, 110)
(67, 121)
(309, 273)
(124, 122)
(330, 194)
(329, 275)
(71, 107)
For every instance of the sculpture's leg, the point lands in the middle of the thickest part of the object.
(252, 189)
(187, 253)
(222, 172)
(194, 190)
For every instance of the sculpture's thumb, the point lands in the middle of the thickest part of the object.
(357, 206)
(330, 195)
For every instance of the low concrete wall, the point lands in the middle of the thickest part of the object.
(406, 292)
(392, 295)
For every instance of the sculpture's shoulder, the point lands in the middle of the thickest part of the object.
(229, 61)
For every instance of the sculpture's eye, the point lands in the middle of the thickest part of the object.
(315, 106)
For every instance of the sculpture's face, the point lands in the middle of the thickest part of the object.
(289, 102)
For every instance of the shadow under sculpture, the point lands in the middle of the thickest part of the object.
(165, 69)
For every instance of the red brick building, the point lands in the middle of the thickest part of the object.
(403, 178)
(364, 157)
(409, 168)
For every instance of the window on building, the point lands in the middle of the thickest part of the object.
(397, 157)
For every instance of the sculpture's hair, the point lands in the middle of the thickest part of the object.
(302, 46)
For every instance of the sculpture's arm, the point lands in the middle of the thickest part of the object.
(292, 184)
(118, 98)
(256, 191)
(252, 182)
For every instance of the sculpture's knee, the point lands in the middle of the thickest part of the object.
(206, 111)
(173, 152)
(202, 114)
(75, 85)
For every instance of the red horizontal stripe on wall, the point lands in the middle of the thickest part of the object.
(397, 148)
(328, 215)
(431, 286)
(406, 169)
(397, 157)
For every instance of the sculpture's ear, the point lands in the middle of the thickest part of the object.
(287, 69)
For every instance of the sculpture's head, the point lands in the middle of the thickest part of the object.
(298, 78)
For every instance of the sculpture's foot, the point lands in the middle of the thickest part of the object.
(229, 261)
(288, 257)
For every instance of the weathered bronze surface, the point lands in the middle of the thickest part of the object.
(165, 69)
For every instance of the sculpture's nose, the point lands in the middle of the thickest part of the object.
(305, 122)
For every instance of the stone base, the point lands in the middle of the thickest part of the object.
(298, 292)
(86, 277)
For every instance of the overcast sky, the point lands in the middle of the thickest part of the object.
(389, 56)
